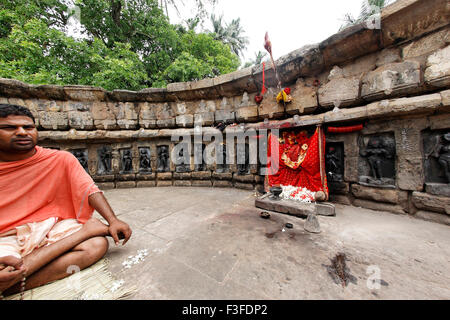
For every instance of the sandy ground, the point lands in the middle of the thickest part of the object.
(206, 243)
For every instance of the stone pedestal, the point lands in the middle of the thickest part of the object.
(295, 208)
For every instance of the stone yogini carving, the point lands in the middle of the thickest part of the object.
(127, 161)
(182, 163)
(333, 163)
(163, 159)
(105, 158)
(380, 155)
(199, 150)
(243, 159)
(81, 155)
(439, 148)
(145, 165)
(221, 165)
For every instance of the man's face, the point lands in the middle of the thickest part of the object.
(18, 134)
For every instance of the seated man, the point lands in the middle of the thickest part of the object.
(46, 204)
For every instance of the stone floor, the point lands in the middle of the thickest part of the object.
(212, 244)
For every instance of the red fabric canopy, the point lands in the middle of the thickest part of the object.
(295, 168)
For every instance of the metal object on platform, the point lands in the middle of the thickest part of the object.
(312, 224)
(265, 215)
(275, 191)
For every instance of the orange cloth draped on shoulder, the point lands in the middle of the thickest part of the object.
(49, 184)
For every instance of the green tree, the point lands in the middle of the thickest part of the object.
(127, 44)
(368, 9)
(259, 57)
(230, 34)
(202, 57)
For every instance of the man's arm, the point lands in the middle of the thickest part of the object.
(117, 228)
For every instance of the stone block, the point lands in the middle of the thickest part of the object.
(206, 106)
(204, 119)
(269, 108)
(125, 184)
(339, 91)
(201, 175)
(438, 189)
(185, 121)
(146, 184)
(81, 120)
(433, 217)
(380, 195)
(304, 99)
(410, 173)
(164, 176)
(379, 206)
(103, 111)
(166, 123)
(145, 177)
(441, 121)
(126, 177)
(445, 95)
(342, 199)
(391, 79)
(437, 72)
(162, 183)
(247, 114)
(388, 56)
(84, 93)
(147, 111)
(430, 202)
(285, 206)
(426, 45)
(244, 186)
(224, 116)
(105, 124)
(222, 176)
(244, 178)
(182, 183)
(106, 185)
(182, 176)
(409, 19)
(223, 184)
(54, 120)
(202, 183)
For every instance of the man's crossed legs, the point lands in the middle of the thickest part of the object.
(46, 264)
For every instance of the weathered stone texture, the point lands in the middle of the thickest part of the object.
(379, 206)
(438, 68)
(391, 79)
(380, 195)
(433, 217)
(431, 202)
(269, 108)
(339, 91)
(304, 99)
(426, 45)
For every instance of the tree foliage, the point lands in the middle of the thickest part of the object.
(127, 44)
(368, 9)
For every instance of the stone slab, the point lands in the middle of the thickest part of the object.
(438, 189)
(294, 208)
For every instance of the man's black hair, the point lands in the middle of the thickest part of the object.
(14, 110)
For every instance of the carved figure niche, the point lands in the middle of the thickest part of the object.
(104, 160)
(145, 164)
(243, 159)
(163, 162)
(82, 156)
(199, 151)
(377, 162)
(126, 161)
(436, 149)
(183, 159)
(221, 158)
(334, 166)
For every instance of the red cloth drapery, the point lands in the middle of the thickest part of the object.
(310, 174)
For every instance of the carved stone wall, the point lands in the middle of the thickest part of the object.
(394, 80)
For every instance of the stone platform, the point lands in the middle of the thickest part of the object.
(295, 208)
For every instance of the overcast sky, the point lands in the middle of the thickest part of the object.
(291, 23)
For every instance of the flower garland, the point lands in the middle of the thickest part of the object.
(297, 194)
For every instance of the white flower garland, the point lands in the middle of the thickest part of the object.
(297, 194)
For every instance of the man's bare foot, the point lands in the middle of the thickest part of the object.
(10, 276)
(95, 227)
